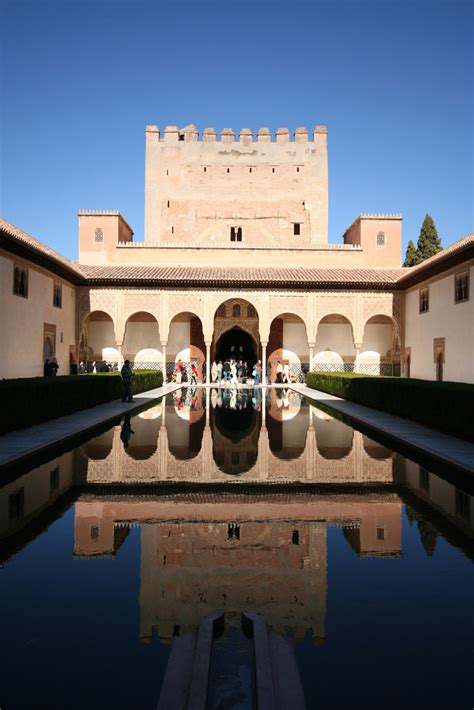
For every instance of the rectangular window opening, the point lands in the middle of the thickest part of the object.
(380, 532)
(20, 281)
(54, 480)
(424, 300)
(461, 287)
(57, 295)
(16, 505)
(168, 204)
(296, 229)
(94, 532)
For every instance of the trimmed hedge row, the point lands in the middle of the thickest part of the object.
(32, 400)
(447, 406)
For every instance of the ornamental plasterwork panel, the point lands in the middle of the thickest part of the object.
(144, 301)
(298, 305)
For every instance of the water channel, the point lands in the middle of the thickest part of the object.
(201, 501)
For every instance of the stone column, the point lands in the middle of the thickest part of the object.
(264, 364)
(120, 356)
(164, 343)
(357, 349)
(264, 412)
(208, 362)
(311, 355)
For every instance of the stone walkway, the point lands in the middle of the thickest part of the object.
(445, 448)
(25, 442)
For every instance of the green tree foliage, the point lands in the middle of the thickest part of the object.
(429, 242)
(428, 245)
(411, 257)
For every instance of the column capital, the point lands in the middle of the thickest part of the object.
(208, 343)
(264, 343)
(357, 346)
(163, 343)
(119, 343)
(311, 345)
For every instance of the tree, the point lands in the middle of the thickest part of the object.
(429, 242)
(411, 257)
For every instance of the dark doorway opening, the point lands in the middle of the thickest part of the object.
(237, 344)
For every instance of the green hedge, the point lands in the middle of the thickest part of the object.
(447, 406)
(32, 400)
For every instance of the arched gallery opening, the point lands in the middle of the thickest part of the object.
(380, 350)
(235, 433)
(186, 343)
(236, 334)
(334, 347)
(97, 341)
(141, 342)
(288, 344)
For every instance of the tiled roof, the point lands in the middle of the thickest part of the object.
(187, 275)
(23, 239)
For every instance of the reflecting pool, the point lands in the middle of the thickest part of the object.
(222, 500)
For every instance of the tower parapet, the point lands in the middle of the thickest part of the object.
(259, 188)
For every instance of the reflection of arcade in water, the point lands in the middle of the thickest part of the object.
(242, 547)
(288, 440)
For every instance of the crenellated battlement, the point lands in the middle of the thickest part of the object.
(190, 134)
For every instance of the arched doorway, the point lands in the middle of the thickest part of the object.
(236, 343)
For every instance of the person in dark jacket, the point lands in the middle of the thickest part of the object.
(127, 374)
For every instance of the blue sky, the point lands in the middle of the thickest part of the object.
(393, 82)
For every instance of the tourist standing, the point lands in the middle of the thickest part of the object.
(219, 371)
(279, 373)
(233, 372)
(214, 372)
(194, 374)
(54, 366)
(226, 370)
(286, 374)
(47, 367)
(127, 374)
(258, 373)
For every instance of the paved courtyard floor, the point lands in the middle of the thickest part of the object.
(449, 449)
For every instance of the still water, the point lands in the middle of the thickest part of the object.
(360, 556)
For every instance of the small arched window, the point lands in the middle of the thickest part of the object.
(98, 236)
(221, 311)
(251, 312)
(236, 310)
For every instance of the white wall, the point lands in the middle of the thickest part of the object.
(335, 336)
(377, 338)
(100, 335)
(445, 319)
(295, 342)
(179, 338)
(140, 335)
(22, 320)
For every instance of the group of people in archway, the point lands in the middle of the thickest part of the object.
(235, 372)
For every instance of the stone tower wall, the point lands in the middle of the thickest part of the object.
(196, 191)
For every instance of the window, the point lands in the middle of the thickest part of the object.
(251, 312)
(236, 234)
(295, 537)
(424, 300)
(236, 310)
(296, 229)
(54, 480)
(273, 170)
(16, 505)
(172, 230)
(381, 239)
(250, 170)
(228, 170)
(380, 532)
(57, 295)
(221, 311)
(98, 236)
(424, 480)
(297, 169)
(20, 281)
(461, 287)
(94, 532)
(168, 203)
(205, 169)
(462, 505)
